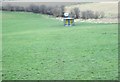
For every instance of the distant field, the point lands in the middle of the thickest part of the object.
(38, 47)
(109, 8)
(26, 4)
(0, 45)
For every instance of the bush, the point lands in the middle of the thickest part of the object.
(102, 14)
(87, 14)
(9, 7)
(43, 9)
(72, 14)
(57, 11)
(33, 8)
(62, 10)
(49, 10)
(75, 13)
(17, 8)
(92, 15)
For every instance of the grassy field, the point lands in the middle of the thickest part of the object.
(0, 46)
(40, 47)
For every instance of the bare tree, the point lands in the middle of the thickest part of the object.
(57, 11)
(7, 7)
(97, 15)
(90, 14)
(72, 14)
(34, 8)
(87, 14)
(18, 8)
(102, 14)
(77, 12)
(62, 10)
(49, 10)
(43, 9)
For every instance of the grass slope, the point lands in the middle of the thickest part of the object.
(0, 46)
(37, 47)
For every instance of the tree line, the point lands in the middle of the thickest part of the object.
(57, 11)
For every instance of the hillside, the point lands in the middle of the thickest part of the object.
(38, 47)
(26, 4)
(109, 8)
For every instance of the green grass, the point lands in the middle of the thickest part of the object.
(0, 46)
(40, 47)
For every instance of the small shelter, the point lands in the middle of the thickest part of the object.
(68, 21)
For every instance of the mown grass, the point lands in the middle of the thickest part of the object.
(39, 47)
(0, 46)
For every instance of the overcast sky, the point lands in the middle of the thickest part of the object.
(61, 0)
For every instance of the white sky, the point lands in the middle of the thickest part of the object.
(59, 0)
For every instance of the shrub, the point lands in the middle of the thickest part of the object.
(72, 14)
(77, 12)
(57, 11)
(33, 8)
(18, 8)
(43, 9)
(62, 10)
(87, 14)
(92, 15)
